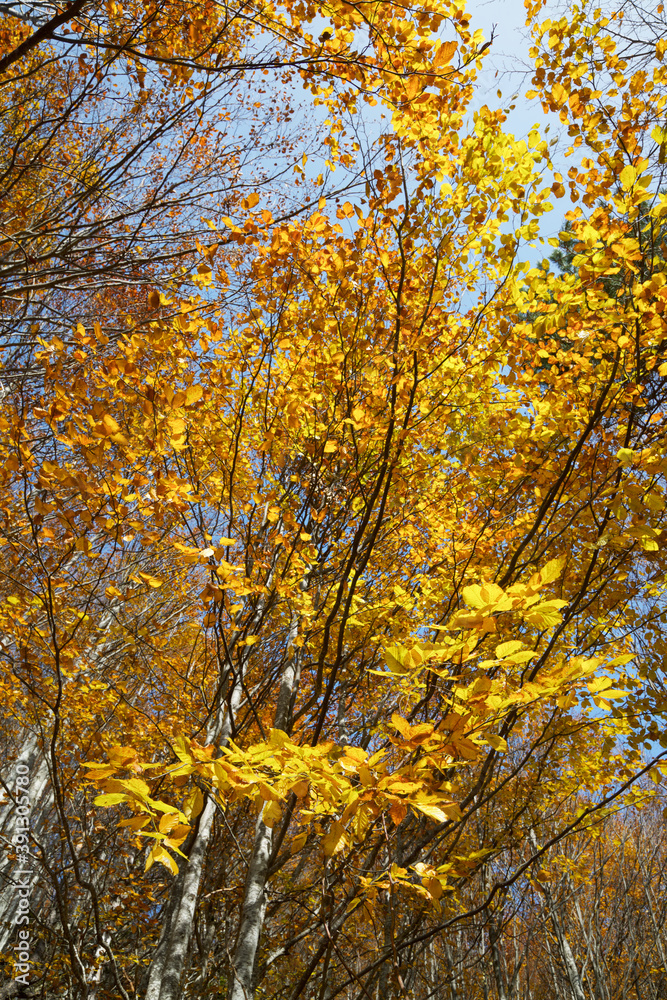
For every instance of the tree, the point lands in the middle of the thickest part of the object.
(324, 573)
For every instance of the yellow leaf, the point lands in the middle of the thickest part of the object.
(412, 87)
(194, 804)
(121, 756)
(472, 595)
(444, 54)
(192, 394)
(523, 656)
(649, 544)
(268, 793)
(271, 813)
(627, 178)
(159, 854)
(109, 425)
(135, 823)
(168, 822)
(110, 799)
(345, 211)
(401, 660)
(559, 94)
(491, 593)
(138, 788)
(98, 771)
(298, 842)
(335, 840)
(598, 684)
(552, 570)
(545, 614)
(431, 810)
(402, 725)
(277, 738)
(434, 886)
(507, 648)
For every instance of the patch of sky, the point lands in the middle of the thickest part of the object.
(508, 69)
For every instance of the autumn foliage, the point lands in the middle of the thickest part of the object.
(332, 603)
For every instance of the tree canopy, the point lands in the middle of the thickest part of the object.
(332, 592)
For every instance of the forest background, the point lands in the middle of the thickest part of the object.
(332, 590)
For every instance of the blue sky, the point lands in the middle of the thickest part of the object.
(508, 68)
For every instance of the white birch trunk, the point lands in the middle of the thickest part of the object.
(166, 970)
(39, 792)
(252, 915)
(34, 757)
(253, 911)
(496, 961)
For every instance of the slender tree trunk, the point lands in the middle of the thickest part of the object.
(592, 952)
(167, 966)
(252, 915)
(656, 920)
(566, 952)
(166, 970)
(453, 984)
(253, 911)
(554, 976)
(496, 962)
(482, 956)
(41, 800)
(33, 761)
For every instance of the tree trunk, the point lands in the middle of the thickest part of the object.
(166, 970)
(242, 983)
(252, 915)
(39, 792)
(496, 961)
